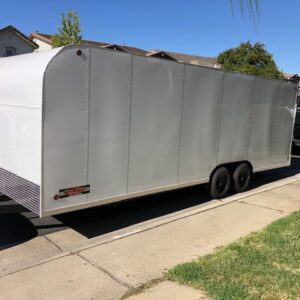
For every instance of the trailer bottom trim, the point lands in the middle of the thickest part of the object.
(20, 190)
(115, 199)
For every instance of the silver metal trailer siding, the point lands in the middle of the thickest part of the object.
(132, 125)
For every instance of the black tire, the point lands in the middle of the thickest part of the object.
(220, 183)
(242, 178)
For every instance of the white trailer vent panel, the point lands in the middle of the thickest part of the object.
(84, 126)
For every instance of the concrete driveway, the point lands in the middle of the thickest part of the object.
(104, 252)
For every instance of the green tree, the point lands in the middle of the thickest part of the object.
(250, 59)
(69, 32)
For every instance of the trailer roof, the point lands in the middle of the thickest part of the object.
(17, 75)
(26, 72)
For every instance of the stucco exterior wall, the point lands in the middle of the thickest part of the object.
(8, 38)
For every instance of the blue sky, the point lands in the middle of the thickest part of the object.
(202, 27)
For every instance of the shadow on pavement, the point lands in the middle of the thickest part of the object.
(265, 177)
(14, 227)
(101, 220)
(18, 225)
(296, 150)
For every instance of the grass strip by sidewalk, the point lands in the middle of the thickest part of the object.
(262, 265)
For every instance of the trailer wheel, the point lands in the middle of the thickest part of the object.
(220, 183)
(242, 177)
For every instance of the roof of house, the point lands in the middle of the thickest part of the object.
(195, 59)
(160, 54)
(181, 57)
(47, 39)
(295, 78)
(288, 76)
(40, 36)
(20, 35)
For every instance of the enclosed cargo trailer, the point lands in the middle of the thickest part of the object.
(84, 126)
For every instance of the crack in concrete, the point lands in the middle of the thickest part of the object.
(103, 270)
(184, 244)
(99, 268)
(55, 245)
(37, 264)
(266, 207)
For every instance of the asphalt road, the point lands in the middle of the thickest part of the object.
(17, 224)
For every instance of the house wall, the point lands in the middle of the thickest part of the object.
(8, 38)
(42, 45)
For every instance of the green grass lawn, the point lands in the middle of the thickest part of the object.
(263, 265)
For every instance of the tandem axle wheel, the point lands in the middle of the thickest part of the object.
(225, 177)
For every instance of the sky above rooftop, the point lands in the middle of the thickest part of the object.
(199, 27)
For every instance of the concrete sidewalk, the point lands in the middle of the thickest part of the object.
(67, 265)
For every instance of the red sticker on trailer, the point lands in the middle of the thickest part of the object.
(74, 191)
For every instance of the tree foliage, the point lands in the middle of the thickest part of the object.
(250, 59)
(69, 32)
(251, 5)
